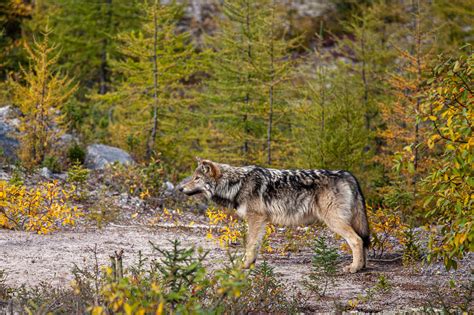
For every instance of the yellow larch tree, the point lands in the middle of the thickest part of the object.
(40, 92)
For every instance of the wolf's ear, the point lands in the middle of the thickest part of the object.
(198, 159)
(211, 168)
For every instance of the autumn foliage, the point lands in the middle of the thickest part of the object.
(41, 209)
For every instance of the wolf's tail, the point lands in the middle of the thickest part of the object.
(360, 222)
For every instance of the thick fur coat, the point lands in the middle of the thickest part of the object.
(287, 197)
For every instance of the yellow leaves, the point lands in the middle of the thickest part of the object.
(41, 209)
(145, 194)
(159, 310)
(459, 239)
(168, 216)
(98, 310)
(223, 227)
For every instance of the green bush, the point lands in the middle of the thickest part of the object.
(324, 267)
(76, 154)
(52, 163)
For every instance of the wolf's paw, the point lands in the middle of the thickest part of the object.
(351, 269)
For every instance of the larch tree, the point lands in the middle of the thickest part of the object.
(152, 94)
(367, 48)
(40, 94)
(404, 132)
(85, 31)
(248, 67)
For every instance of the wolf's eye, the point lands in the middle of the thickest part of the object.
(198, 177)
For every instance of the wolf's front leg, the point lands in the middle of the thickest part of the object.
(256, 231)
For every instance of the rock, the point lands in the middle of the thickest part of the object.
(168, 186)
(98, 156)
(4, 176)
(8, 129)
(46, 172)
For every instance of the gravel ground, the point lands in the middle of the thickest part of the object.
(29, 259)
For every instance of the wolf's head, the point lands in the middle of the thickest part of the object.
(204, 179)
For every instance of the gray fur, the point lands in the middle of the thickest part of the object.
(286, 197)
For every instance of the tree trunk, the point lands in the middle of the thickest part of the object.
(247, 95)
(152, 140)
(272, 80)
(103, 71)
(418, 99)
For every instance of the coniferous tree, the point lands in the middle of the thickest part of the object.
(249, 65)
(40, 94)
(85, 31)
(404, 133)
(151, 98)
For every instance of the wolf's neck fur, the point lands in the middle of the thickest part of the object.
(229, 185)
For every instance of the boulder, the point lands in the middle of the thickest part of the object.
(99, 155)
(8, 130)
(46, 173)
(168, 186)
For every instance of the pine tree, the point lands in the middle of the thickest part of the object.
(40, 95)
(151, 102)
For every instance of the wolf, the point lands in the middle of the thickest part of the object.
(286, 197)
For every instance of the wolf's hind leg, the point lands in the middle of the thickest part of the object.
(353, 239)
(256, 231)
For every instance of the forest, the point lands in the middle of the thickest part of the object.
(105, 105)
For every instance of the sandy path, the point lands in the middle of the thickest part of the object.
(30, 258)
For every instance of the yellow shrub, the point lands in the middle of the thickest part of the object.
(225, 228)
(385, 224)
(167, 216)
(41, 209)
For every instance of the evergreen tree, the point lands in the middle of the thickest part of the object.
(249, 64)
(40, 94)
(151, 98)
(85, 31)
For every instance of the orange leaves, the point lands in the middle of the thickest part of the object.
(41, 209)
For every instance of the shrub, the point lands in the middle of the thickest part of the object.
(449, 185)
(264, 293)
(41, 209)
(324, 264)
(103, 210)
(5, 291)
(77, 175)
(386, 226)
(52, 163)
(224, 227)
(411, 248)
(76, 154)
(142, 181)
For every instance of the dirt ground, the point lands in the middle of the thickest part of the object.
(29, 259)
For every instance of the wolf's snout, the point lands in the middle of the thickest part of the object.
(181, 188)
